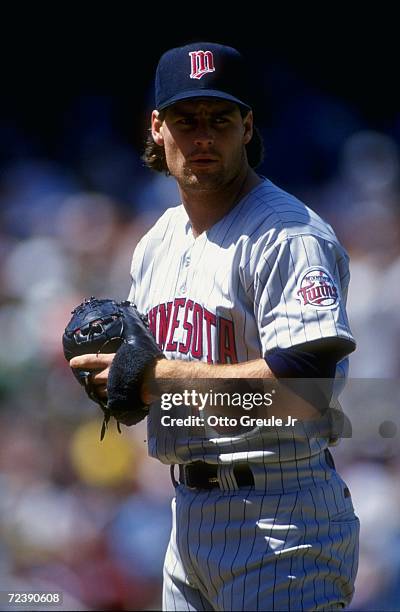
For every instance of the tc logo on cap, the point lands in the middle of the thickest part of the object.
(202, 62)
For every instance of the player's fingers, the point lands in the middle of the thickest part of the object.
(100, 378)
(96, 361)
(96, 387)
(101, 391)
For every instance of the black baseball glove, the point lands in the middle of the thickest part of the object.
(107, 326)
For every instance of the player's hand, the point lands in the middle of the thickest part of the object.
(98, 365)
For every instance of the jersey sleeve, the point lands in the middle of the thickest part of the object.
(300, 291)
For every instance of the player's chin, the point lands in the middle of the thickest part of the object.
(204, 178)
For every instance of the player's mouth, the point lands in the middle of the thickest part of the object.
(202, 161)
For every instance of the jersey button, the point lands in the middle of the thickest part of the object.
(183, 288)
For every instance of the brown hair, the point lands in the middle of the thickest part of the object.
(154, 154)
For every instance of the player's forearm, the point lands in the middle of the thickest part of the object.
(168, 376)
(176, 369)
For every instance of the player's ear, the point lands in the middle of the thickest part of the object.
(248, 127)
(156, 124)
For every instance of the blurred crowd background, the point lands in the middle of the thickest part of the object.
(93, 520)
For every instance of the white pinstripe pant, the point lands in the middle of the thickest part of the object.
(247, 550)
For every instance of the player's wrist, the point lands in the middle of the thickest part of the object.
(153, 372)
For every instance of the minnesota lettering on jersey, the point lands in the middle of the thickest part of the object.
(206, 334)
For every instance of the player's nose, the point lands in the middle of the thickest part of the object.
(203, 140)
(203, 135)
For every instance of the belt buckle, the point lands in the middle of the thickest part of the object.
(213, 480)
(202, 479)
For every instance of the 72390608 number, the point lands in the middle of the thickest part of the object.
(30, 597)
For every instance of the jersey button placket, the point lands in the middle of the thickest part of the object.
(185, 270)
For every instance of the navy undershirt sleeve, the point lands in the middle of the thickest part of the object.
(308, 369)
(298, 363)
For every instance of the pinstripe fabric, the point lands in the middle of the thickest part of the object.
(231, 295)
(244, 272)
(251, 551)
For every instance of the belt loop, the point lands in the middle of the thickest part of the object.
(172, 473)
(225, 478)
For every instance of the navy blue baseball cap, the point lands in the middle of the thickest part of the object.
(201, 70)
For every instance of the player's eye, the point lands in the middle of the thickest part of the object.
(185, 121)
(220, 119)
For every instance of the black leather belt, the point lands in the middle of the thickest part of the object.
(200, 475)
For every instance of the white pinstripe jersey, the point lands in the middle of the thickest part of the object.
(271, 273)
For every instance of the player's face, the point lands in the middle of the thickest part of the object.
(204, 141)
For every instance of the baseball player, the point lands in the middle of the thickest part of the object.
(240, 281)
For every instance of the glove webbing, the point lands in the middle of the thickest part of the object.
(95, 398)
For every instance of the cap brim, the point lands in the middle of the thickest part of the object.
(201, 93)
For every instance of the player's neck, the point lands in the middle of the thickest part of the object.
(205, 208)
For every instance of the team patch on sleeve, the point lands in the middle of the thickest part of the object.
(317, 289)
